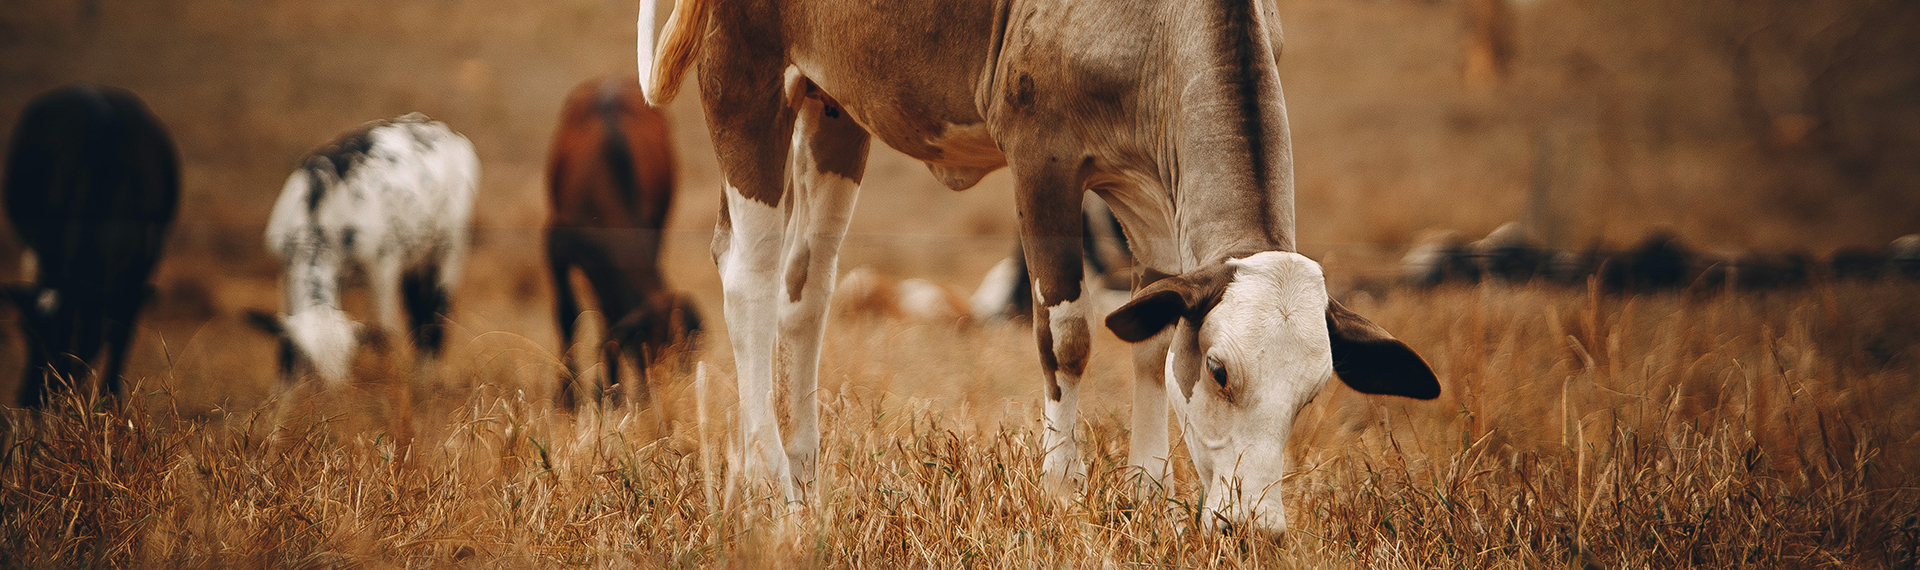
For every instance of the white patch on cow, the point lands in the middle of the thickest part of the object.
(1061, 467)
(327, 337)
(1269, 334)
(749, 275)
(406, 204)
(47, 302)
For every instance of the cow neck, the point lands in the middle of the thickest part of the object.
(1233, 187)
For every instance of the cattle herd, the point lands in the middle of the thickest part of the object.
(1660, 262)
(1233, 330)
(93, 180)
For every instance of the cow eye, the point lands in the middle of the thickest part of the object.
(1218, 372)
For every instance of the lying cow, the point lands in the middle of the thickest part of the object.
(609, 186)
(391, 201)
(1171, 111)
(1898, 259)
(865, 293)
(1438, 256)
(92, 185)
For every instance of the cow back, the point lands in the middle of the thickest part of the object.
(612, 162)
(92, 185)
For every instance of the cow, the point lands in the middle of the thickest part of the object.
(1170, 111)
(392, 202)
(609, 187)
(1438, 256)
(1904, 256)
(92, 185)
(1660, 263)
(866, 293)
(1509, 254)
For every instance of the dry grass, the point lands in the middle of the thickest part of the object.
(1575, 430)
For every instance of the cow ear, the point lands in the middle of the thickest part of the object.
(267, 322)
(1148, 313)
(1373, 362)
(1191, 294)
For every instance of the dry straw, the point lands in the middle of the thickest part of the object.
(1577, 430)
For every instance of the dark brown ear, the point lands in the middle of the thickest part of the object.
(267, 322)
(1153, 308)
(1148, 313)
(1373, 362)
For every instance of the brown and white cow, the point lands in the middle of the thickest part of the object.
(91, 187)
(609, 187)
(1170, 110)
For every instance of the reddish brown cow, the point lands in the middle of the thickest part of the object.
(610, 184)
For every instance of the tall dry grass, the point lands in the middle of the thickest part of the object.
(1576, 430)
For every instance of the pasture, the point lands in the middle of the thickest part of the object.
(1575, 428)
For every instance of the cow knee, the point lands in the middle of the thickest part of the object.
(1064, 346)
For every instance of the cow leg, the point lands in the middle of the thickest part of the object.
(1148, 448)
(610, 356)
(827, 160)
(566, 311)
(1050, 230)
(384, 288)
(752, 128)
(119, 338)
(426, 298)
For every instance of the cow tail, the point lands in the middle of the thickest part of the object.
(664, 61)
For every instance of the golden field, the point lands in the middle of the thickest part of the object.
(1575, 429)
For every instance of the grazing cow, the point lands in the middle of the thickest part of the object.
(1170, 111)
(610, 184)
(391, 201)
(92, 184)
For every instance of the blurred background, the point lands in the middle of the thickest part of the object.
(1772, 125)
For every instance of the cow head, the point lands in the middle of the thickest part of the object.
(1254, 339)
(321, 339)
(48, 326)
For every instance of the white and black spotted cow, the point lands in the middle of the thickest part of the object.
(391, 201)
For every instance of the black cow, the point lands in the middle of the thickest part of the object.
(92, 184)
